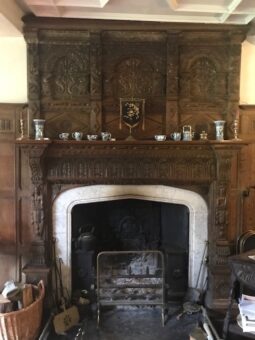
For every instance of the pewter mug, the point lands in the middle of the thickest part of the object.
(176, 136)
(187, 132)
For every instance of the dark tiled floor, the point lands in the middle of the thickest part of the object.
(137, 324)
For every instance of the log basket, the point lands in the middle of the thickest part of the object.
(25, 323)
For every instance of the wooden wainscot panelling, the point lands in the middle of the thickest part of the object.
(8, 225)
(247, 166)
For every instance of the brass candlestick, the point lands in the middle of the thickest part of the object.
(21, 128)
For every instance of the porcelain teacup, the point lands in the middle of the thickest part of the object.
(64, 135)
(176, 136)
(77, 135)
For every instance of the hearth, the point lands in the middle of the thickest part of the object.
(131, 225)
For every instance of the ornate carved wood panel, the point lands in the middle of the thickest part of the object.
(185, 73)
(8, 231)
(134, 67)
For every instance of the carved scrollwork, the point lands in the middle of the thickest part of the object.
(37, 179)
(133, 78)
(36, 170)
(172, 67)
(109, 169)
(33, 70)
(222, 192)
(38, 211)
(221, 254)
(203, 73)
(66, 75)
(222, 287)
(95, 65)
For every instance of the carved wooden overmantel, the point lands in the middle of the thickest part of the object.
(204, 167)
(79, 70)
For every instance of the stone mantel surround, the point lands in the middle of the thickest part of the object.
(204, 167)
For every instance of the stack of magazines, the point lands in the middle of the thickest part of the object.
(246, 318)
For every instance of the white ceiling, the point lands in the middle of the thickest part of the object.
(192, 11)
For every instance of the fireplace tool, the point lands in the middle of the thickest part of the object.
(67, 317)
(193, 295)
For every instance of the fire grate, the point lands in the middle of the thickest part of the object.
(130, 278)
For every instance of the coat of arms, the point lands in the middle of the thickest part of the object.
(131, 113)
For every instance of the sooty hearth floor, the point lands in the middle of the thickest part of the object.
(139, 324)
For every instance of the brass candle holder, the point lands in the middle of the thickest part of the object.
(21, 128)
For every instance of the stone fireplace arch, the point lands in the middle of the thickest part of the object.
(198, 220)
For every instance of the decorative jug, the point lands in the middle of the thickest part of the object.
(39, 128)
(219, 126)
(87, 240)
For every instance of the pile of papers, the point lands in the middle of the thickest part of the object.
(246, 319)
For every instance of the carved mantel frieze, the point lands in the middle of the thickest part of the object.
(123, 162)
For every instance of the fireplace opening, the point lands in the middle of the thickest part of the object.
(66, 227)
(131, 225)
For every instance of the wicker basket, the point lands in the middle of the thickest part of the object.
(25, 323)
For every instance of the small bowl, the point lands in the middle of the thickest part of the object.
(92, 137)
(160, 138)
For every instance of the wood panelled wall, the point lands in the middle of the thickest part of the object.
(8, 230)
(247, 166)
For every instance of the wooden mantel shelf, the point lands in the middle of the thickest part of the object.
(131, 142)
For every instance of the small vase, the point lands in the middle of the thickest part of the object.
(39, 128)
(219, 125)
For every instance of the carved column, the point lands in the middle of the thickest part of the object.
(95, 82)
(36, 267)
(172, 120)
(220, 247)
(33, 76)
(234, 51)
